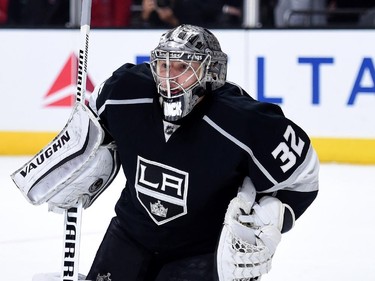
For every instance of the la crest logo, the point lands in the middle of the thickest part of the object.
(162, 190)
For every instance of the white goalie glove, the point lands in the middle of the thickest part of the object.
(75, 165)
(250, 234)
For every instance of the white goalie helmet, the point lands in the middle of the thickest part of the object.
(187, 62)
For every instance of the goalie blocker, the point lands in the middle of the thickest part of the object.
(76, 164)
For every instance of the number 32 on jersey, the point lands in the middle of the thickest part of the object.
(288, 151)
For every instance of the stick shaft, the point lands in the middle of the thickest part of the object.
(73, 216)
(83, 51)
(71, 242)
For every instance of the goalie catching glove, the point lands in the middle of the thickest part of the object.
(250, 234)
(75, 165)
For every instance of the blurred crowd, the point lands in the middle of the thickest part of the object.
(208, 13)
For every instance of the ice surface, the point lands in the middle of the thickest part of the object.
(333, 240)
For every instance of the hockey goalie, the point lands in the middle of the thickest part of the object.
(213, 176)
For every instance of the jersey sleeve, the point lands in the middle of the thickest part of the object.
(283, 162)
(280, 158)
(122, 85)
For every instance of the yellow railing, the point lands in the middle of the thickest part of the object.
(340, 150)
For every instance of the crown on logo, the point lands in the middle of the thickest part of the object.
(158, 209)
(104, 277)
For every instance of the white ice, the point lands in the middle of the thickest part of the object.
(333, 240)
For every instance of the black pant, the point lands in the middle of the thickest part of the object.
(123, 259)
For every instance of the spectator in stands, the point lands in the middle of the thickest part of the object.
(3, 12)
(345, 12)
(289, 13)
(171, 13)
(37, 13)
(16, 12)
(158, 14)
(231, 14)
(47, 12)
(111, 13)
(267, 13)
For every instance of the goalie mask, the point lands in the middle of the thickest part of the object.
(187, 62)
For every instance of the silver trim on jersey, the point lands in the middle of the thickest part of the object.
(239, 88)
(242, 145)
(303, 179)
(122, 102)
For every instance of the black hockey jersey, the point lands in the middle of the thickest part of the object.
(181, 177)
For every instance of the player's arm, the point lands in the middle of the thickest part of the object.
(282, 183)
(284, 164)
(294, 169)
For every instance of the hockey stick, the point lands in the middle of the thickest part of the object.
(73, 216)
(83, 51)
(71, 244)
